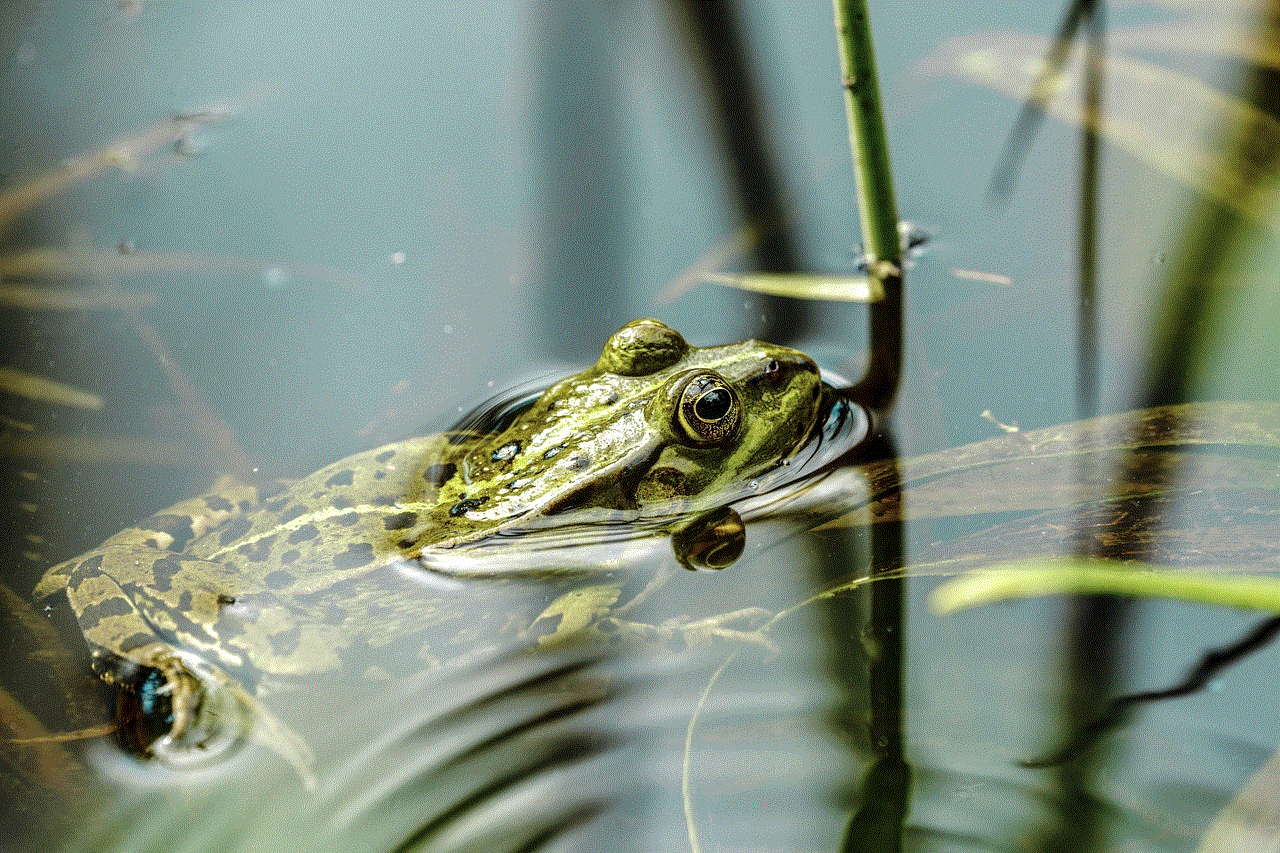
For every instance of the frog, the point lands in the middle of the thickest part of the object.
(256, 585)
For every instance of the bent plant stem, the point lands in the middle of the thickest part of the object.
(877, 210)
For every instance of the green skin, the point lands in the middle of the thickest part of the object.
(283, 582)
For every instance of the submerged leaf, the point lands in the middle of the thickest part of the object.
(74, 299)
(46, 390)
(1185, 527)
(105, 265)
(105, 450)
(843, 288)
(124, 154)
(1061, 466)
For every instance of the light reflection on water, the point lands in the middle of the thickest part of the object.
(586, 745)
(586, 741)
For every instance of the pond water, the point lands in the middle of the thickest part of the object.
(266, 237)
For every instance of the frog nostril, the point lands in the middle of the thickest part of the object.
(773, 373)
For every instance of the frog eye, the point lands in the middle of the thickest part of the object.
(707, 413)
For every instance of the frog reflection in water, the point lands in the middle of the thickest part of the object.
(250, 586)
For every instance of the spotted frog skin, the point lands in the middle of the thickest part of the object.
(251, 585)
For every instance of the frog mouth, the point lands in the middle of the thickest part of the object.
(839, 430)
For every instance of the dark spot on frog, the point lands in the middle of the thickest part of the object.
(347, 519)
(400, 520)
(357, 554)
(552, 451)
(178, 527)
(270, 488)
(506, 452)
(285, 643)
(340, 502)
(342, 478)
(379, 474)
(383, 457)
(225, 600)
(218, 503)
(580, 462)
(290, 557)
(234, 531)
(114, 606)
(278, 503)
(305, 533)
(379, 613)
(136, 641)
(466, 505)
(165, 570)
(438, 475)
(571, 500)
(382, 500)
(295, 511)
(279, 579)
(611, 398)
(258, 549)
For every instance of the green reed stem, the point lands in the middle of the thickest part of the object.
(878, 212)
(867, 140)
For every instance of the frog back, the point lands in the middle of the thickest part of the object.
(354, 515)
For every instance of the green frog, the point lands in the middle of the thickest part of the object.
(255, 585)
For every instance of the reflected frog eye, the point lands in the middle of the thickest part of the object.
(708, 411)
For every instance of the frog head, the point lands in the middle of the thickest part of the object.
(656, 431)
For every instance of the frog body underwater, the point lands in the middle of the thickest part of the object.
(287, 581)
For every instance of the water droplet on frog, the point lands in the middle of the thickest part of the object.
(506, 452)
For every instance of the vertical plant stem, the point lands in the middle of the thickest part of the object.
(879, 214)
(878, 821)
(867, 140)
(1090, 173)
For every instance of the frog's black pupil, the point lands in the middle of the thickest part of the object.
(713, 405)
